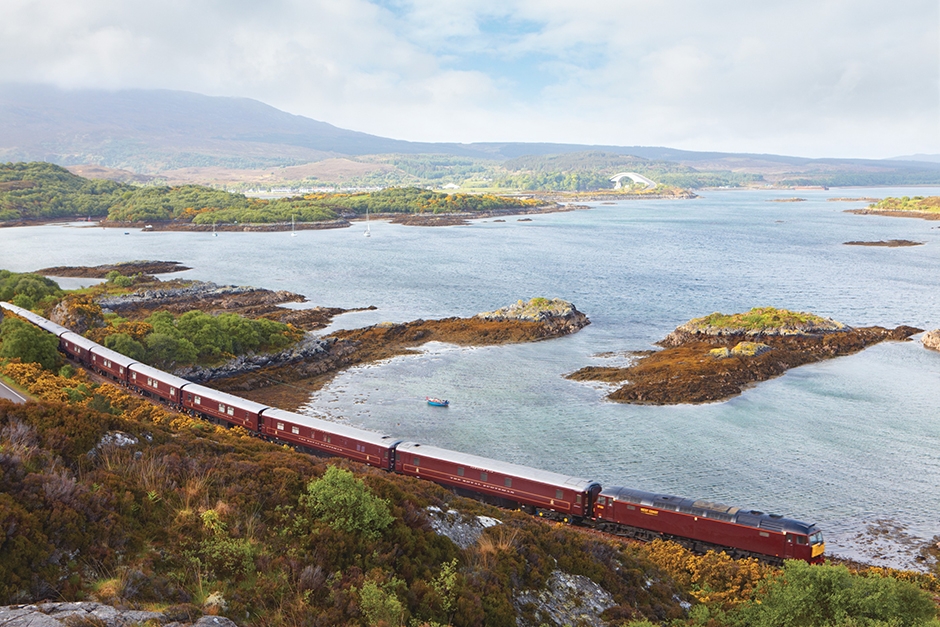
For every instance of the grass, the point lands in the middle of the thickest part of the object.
(916, 204)
(760, 319)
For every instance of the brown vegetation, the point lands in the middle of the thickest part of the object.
(290, 386)
(127, 268)
(891, 243)
(691, 372)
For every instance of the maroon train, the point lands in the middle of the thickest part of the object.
(697, 524)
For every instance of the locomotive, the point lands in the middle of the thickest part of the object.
(699, 525)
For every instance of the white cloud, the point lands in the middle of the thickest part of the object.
(817, 78)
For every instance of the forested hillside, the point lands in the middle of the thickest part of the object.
(36, 191)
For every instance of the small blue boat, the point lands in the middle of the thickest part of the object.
(436, 402)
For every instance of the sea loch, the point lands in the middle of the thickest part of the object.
(845, 443)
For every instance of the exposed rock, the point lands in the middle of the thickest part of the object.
(208, 296)
(464, 531)
(556, 314)
(779, 322)
(750, 349)
(92, 613)
(215, 603)
(931, 340)
(117, 439)
(565, 600)
(77, 313)
(309, 348)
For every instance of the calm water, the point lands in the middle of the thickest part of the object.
(843, 443)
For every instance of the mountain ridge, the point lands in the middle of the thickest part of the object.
(152, 131)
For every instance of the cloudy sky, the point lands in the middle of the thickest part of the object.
(817, 78)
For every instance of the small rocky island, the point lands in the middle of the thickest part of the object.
(289, 386)
(286, 376)
(891, 243)
(716, 357)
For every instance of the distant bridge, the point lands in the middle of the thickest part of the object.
(636, 178)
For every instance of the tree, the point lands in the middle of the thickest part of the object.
(345, 504)
(126, 345)
(29, 343)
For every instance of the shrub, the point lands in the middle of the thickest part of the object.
(28, 343)
(809, 596)
(345, 504)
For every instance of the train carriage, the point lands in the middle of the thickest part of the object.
(331, 438)
(551, 494)
(705, 525)
(156, 383)
(111, 363)
(697, 524)
(46, 325)
(222, 406)
(77, 347)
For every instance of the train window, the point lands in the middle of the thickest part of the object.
(633, 507)
(577, 499)
(601, 500)
(816, 538)
(198, 400)
(801, 539)
(559, 494)
(230, 411)
(328, 438)
(172, 390)
(460, 471)
(221, 408)
(295, 430)
(280, 426)
(134, 376)
(149, 381)
(122, 370)
(416, 461)
(482, 476)
(508, 482)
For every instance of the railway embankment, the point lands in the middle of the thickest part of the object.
(716, 357)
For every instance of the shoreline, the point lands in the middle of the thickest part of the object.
(923, 215)
(700, 368)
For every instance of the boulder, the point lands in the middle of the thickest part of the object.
(931, 339)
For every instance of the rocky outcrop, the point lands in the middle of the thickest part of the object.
(565, 600)
(558, 316)
(77, 313)
(310, 348)
(100, 615)
(756, 323)
(198, 295)
(931, 340)
(464, 531)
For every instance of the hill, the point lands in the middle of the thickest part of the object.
(182, 133)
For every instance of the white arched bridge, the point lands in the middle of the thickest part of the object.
(633, 176)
